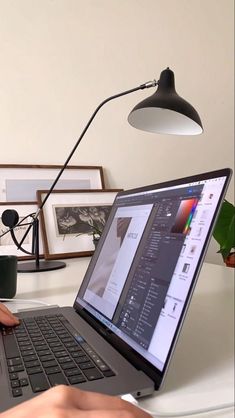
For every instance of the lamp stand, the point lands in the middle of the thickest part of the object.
(38, 265)
(31, 267)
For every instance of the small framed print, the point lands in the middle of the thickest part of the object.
(70, 218)
(7, 245)
(19, 183)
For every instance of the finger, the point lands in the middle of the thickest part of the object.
(6, 310)
(58, 403)
(68, 397)
(28, 409)
(6, 317)
(63, 395)
(76, 398)
(110, 413)
(89, 401)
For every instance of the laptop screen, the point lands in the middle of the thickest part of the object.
(140, 276)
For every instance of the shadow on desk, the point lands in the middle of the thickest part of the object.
(206, 343)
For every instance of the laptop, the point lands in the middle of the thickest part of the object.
(121, 332)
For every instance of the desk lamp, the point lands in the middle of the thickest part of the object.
(164, 112)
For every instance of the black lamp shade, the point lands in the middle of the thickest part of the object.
(165, 112)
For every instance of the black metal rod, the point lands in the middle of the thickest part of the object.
(36, 241)
(34, 223)
(141, 87)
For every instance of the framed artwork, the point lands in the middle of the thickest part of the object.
(19, 183)
(7, 246)
(69, 219)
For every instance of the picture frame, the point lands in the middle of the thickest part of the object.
(66, 221)
(19, 182)
(7, 246)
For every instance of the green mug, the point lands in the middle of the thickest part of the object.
(8, 276)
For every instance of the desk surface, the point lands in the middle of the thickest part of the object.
(201, 371)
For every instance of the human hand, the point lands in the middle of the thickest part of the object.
(68, 402)
(6, 317)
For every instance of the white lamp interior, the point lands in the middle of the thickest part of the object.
(163, 121)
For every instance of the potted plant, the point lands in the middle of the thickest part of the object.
(224, 233)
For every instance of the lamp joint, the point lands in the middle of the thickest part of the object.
(149, 84)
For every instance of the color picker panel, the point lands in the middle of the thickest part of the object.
(184, 216)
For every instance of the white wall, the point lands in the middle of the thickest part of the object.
(60, 58)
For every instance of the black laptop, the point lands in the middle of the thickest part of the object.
(121, 332)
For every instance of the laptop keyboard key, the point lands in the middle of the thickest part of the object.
(24, 343)
(52, 340)
(103, 367)
(15, 383)
(57, 379)
(92, 374)
(52, 370)
(14, 361)
(75, 349)
(27, 352)
(77, 354)
(16, 369)
(17, 392)
(67, 366)
(56, 344)
(60, 354)
(13, 376)
(70, 344)
(33, 363)
(38, 382)
(47, 357)
(10, 345)
(37, 338)
(50, 363)
(21, 339)
(43, 352)
(34, 370)
(40, 344)
(72, 372)
(73, 380)
(57, 349)
(85, 366)
(82, 359)
(24, 382)
(108, 373)
(30, 358)
(65, 359)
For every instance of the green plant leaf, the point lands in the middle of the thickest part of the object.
(224, 228)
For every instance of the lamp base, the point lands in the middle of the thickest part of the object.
(31, 267)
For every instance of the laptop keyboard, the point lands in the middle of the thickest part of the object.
(46, 351)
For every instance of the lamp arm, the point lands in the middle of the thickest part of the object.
(146, 85)
(141, 87)
(12, 232)
(18, 245)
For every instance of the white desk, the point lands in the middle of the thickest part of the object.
(201, 372)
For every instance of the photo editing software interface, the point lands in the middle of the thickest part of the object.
(144, 270)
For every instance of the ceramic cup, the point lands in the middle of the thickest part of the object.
(8, 276)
